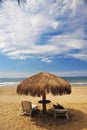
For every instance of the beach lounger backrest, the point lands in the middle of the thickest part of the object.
(26, 107)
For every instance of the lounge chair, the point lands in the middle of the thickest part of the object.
(28, 107)
(61, 111)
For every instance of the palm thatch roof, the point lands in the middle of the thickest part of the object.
(38, 83)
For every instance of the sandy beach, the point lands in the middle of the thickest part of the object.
(10, 107)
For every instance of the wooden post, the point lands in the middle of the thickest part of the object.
(44, 102)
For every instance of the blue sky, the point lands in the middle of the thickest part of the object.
(43, 36)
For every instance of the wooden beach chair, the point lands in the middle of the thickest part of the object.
(28, 107)
(61, 112)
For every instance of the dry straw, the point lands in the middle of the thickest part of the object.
(42, 83)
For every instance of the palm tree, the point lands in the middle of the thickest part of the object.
(17, 1)
(85, 1)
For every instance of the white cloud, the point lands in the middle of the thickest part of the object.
(28, 74)
(14, 74)
(23, 29)
(71, 73)
(48, 60)
(81, 56)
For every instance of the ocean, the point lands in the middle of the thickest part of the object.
(74, 81)
(10, 81)
(77, 81)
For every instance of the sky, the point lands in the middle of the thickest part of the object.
(43, 36)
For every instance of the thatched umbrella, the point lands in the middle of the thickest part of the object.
(42, 83)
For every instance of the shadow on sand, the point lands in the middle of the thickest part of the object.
(77, 120)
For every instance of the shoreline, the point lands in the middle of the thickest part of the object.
(72, 85)
(73, 80)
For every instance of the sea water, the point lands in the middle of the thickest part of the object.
(74, 81)
(10, 81)
(77, 81)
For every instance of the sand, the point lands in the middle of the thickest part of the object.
(10, 108)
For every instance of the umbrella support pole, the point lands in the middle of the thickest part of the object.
(44, 103)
